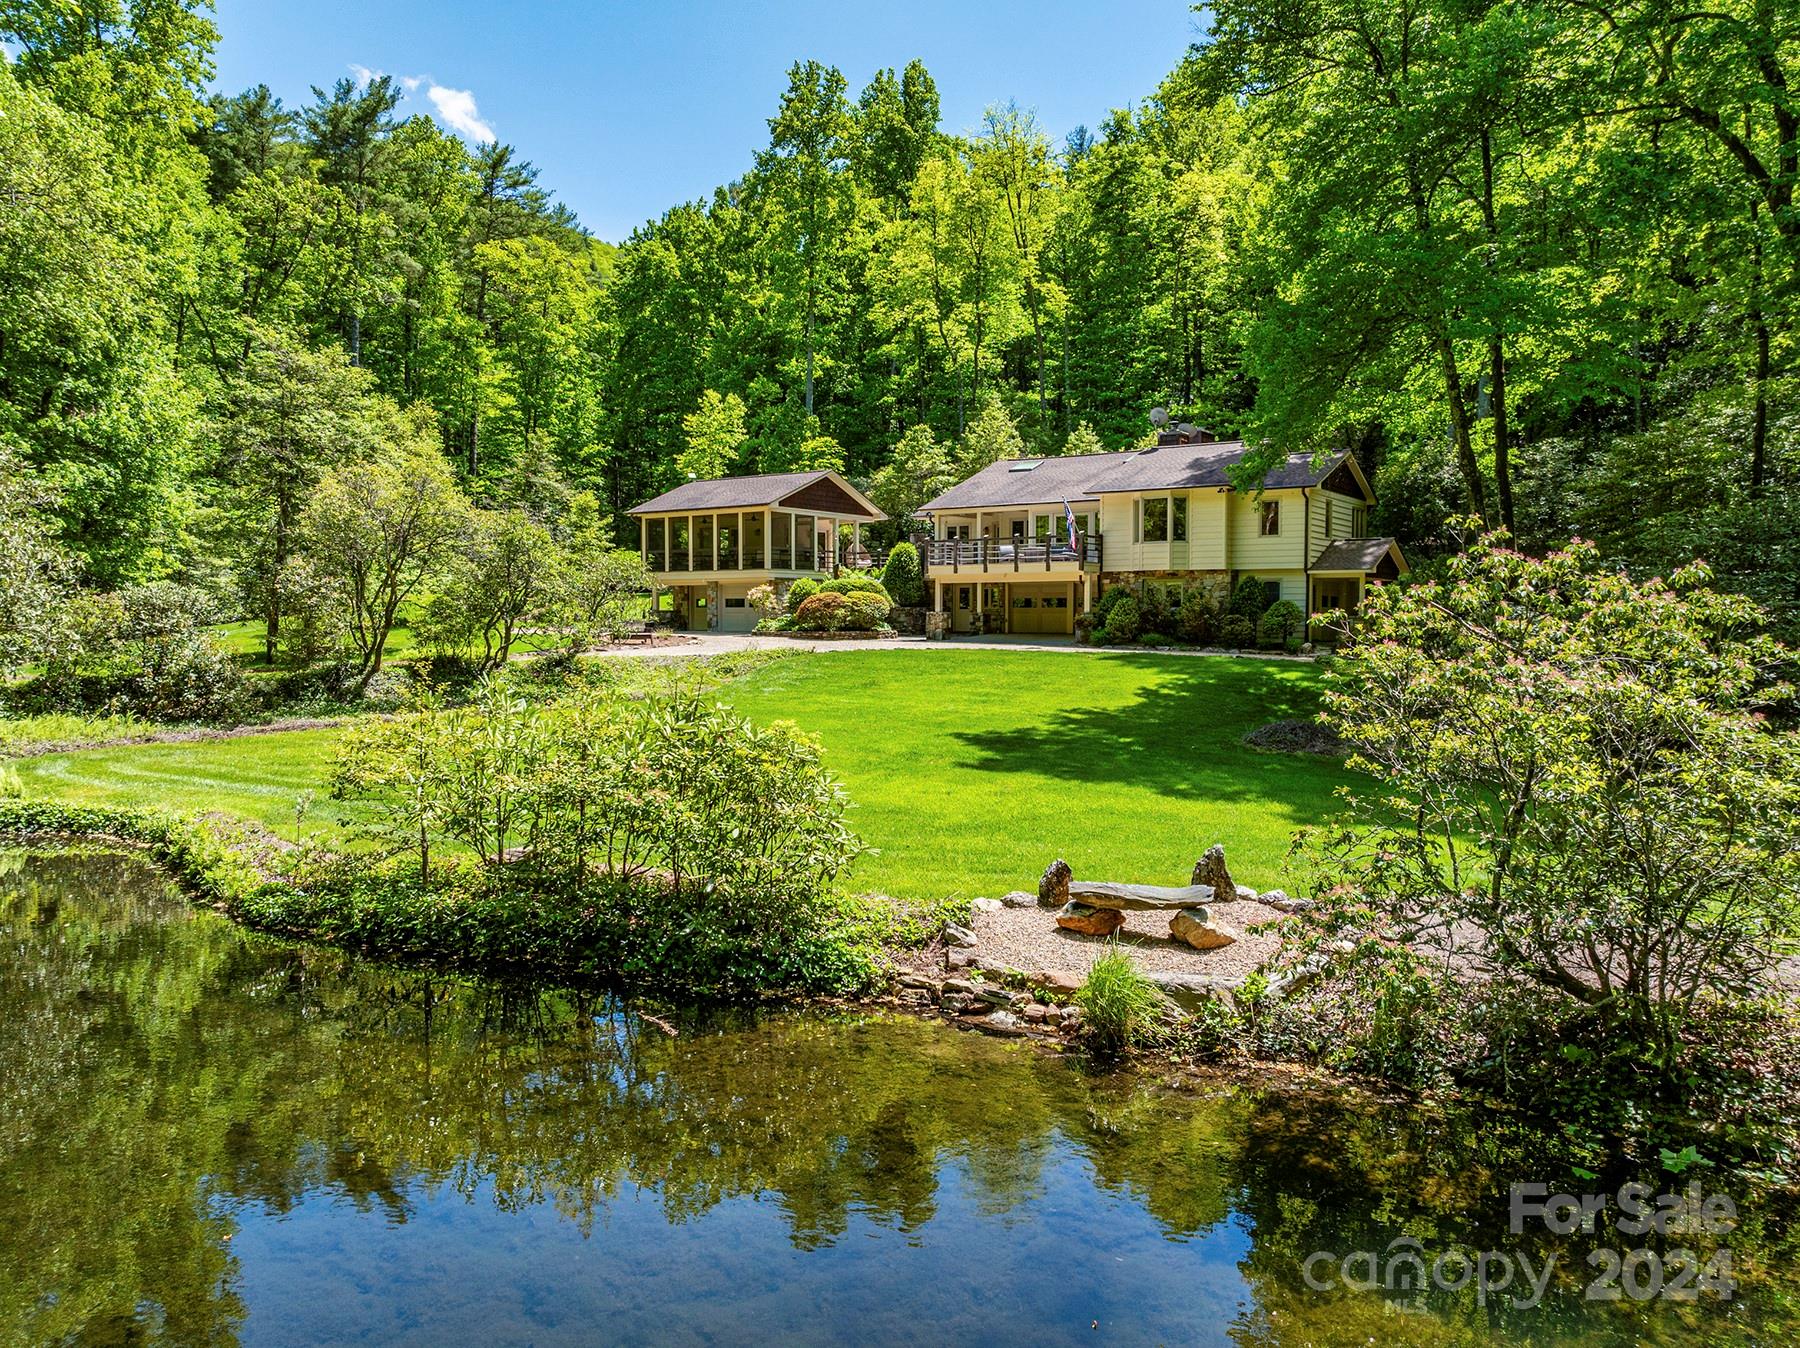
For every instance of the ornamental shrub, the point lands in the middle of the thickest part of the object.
(1281, 623)
(1197, 619)
(903, 577)
(1103, 606)
(1124, 622)
(1156, 611)
(1154, 639)
(856, 584)
(864, 611)
(1600, 799)
(822, 613)
(767, 602)
(1119, 1005)
(1249, 599)
(1236, 632)
(800, 591)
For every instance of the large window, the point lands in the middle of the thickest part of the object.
(728, 542)
(654, 554)
(1269, 524)
(1178, 518)
(1156, 520)
(678, 544)
(804, 533)
(753, 541)
(781, 555)
(703, 542)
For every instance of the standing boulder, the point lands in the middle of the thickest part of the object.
(1197, 927)
(1210, 870)
(1089, 921)
(1053, 889)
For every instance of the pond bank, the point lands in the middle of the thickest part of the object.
(522, 1163)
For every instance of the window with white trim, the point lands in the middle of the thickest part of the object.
(1269, 522)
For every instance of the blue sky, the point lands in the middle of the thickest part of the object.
(629, 108)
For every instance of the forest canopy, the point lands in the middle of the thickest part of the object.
(1534, 261)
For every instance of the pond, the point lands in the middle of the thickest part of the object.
(208, 1137)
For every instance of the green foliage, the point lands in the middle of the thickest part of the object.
(710, 844)
(823, 612)
(209, 870)
(855, 584)
(715, 432)
(1197, 619)
(1603, 800)
(1123, 621)
(902, 577)
(1120, 1007)
(800, 591)
(1236, 632)
(1248, 600)
(865, 610)
(144, 651)
(918, 470)
(597, 592)
(505, 572)
(378, 529)
(1280, 623)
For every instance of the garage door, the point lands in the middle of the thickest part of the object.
(735, 613)
(1042, 609)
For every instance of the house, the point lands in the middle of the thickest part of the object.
(709, 543)
(1002, 558)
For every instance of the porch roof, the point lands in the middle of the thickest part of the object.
(1357, 557)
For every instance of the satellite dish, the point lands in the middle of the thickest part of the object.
(1159, 416)
(1188, 428)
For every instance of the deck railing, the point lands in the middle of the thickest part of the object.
(986, 554)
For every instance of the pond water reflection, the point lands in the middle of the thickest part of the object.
(208, 1136)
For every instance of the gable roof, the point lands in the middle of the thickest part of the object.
(1017, 482)
(1361, 555)
(751, 491)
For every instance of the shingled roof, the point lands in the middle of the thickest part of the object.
(1361, 555)
(1166, 467)
(748, 493)
(1018, 482)
(1207, 464)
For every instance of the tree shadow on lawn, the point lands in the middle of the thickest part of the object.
(1181, 737)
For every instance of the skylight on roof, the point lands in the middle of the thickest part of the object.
(1024, 465)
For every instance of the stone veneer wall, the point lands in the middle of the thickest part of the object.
(1217, 584)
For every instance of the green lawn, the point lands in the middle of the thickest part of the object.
(970, 770)
(244, 639)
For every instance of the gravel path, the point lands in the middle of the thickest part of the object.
(1029, 939)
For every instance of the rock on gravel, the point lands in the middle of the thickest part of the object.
(1028, 938)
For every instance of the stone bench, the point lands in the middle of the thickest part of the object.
(1098, 907)
(1138, 898)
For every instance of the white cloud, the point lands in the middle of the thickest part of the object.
(455, 107)
(456, 110)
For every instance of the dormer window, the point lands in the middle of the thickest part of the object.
(1269, 526)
